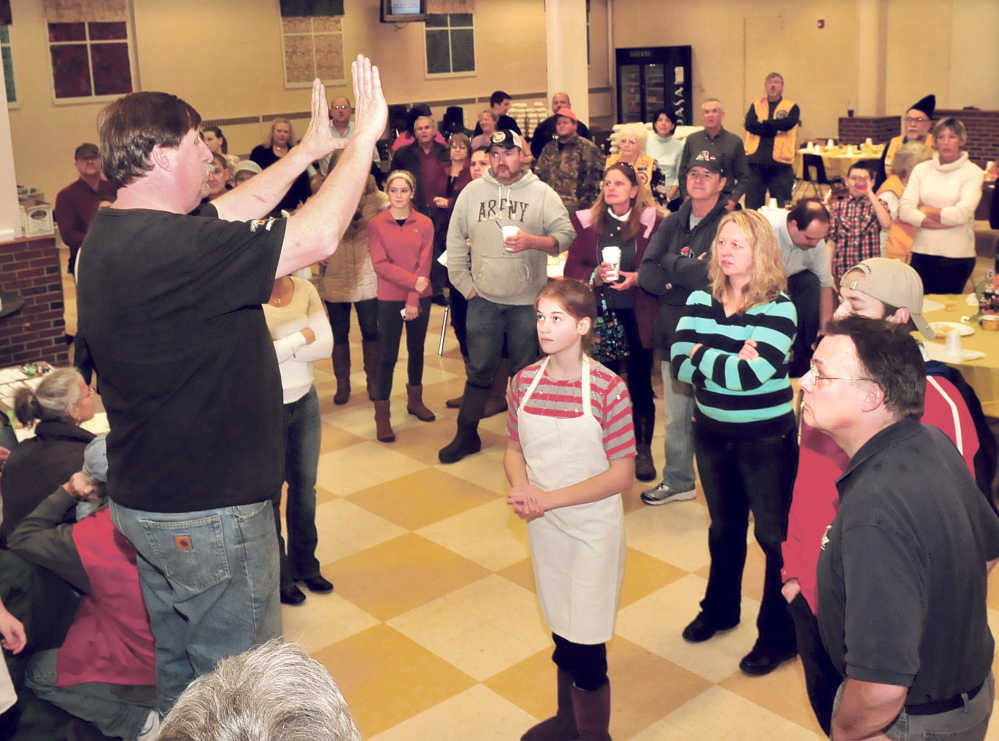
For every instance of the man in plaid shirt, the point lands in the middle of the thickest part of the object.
(856, 222)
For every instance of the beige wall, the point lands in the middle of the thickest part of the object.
(225, 58)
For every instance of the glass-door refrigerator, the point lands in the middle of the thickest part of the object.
(652, 78)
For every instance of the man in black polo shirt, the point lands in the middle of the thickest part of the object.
(903, 569)
(170, 310)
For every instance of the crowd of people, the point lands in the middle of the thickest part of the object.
(166, 533)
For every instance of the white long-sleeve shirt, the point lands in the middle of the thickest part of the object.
(954, 188)
(295, 357)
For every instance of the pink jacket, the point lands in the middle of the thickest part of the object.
(400, 255)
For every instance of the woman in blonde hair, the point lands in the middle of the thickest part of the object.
(279, 142)
(632, 140)
(732, 345)
(39, 465)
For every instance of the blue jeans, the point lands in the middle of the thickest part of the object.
(302, 437)
(486, 325)
(96, 702)
(210, 583)
(678, 408)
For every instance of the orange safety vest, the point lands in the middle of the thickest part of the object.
(898, 141)
(785, 141)
(900, 235)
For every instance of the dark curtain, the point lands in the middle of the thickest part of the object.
(5, 12)
(291, 8)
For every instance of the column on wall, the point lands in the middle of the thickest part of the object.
(10, 216)
(872, 27)
(565, 39)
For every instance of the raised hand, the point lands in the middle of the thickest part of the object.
(370, 109)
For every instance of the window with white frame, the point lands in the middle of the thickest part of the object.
(90, 59)
(313, 47)
(8, 64)
(450, 41)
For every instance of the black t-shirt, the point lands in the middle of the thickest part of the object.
(902, 576)
(170, 308)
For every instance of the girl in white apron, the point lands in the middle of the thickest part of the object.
(570, 453)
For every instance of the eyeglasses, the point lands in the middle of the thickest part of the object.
(909, 119)
(815, 378)
(339, 107)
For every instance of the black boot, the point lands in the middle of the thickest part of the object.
(372, 351)
(645, 424)
(466, 441)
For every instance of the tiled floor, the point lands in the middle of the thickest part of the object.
(433, 631)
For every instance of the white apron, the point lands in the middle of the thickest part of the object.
(577, 551)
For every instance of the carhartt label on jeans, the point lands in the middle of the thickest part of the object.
(184, 543)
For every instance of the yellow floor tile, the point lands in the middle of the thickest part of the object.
(657, 621)
(484, 468)
(491, 534)
(644, 575)
(477, 713)
(521, 573)
(782, 692)
(676, 533)
(482, 629)
(323, 619)
(402, 574)
(422, 498)
(344, 529)
(361, 466)
(335, 438)
(386, 678)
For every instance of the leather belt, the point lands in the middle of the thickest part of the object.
(943, 706)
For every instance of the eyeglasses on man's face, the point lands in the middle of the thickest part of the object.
(816, 379)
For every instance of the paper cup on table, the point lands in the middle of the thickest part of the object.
(613, 256)
(990, 323)
(509, 231)
(829, 144)
(952, 345)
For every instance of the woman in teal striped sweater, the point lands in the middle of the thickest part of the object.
(732, 345)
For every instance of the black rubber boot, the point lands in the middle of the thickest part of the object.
(466, 441)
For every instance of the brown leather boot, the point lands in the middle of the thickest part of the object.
(562, 725)
(645, 466)
(341, 371)
(497, 394)
(415, 405)
(372, 351)
(592, 713)
(383, 422)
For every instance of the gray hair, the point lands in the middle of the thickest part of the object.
(273, 692)
(50, 402)
(908, 156)
(712, 100)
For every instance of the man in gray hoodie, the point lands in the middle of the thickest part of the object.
(504, 226)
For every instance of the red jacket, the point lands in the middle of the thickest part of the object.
(820, 462)
(400, 255)
(583, 258)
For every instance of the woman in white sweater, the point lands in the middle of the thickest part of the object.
(301, 333)
(940, 201)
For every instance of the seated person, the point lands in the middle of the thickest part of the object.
(244, 171)
(274, 691)
(878, 289)
(56, 409)
(856, 221)
(109, 648)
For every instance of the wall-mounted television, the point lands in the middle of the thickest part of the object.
(403, 11)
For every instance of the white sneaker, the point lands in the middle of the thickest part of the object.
(152, 727)
(662, 494)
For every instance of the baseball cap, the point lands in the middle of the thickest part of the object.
(246, 166)
(86, 150)
(895, 283)
(567, 113)
(95, 458)
(705, 159)
(506, 139)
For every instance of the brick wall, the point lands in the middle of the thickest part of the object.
(30, 268)
(879, 129)
(983, 132)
